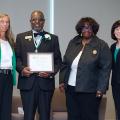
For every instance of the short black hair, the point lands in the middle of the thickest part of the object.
(114, 26)
(92, 22)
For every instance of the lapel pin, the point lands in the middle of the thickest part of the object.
(94, 52)
(28, 38)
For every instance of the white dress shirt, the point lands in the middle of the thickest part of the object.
(73, 73)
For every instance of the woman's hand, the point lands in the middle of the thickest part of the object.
(44, 74)
(26, 72)
(99, 94)
(61, 87)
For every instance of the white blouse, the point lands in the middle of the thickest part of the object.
(73, 73)
(6, 55)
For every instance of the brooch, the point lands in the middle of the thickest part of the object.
(94, 52)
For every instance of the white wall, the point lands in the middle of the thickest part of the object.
(20, 11)
(68, 12)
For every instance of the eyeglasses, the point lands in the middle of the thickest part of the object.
(87, 28)
(40, 20)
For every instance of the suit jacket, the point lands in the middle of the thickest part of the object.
(25, 44)
(93, 67)
(115, 66)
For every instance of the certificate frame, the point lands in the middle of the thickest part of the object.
(40, 62)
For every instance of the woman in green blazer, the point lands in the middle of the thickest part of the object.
(7, 67)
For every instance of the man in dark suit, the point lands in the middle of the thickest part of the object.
(36, 89)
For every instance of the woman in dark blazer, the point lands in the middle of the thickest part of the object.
(115, 49)
(7, 67)
(85, 71)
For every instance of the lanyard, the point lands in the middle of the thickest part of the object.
(37, 41)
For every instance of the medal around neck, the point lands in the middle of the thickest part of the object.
(36, 51)
(37, 42)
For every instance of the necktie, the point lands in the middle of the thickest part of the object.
(38, 33)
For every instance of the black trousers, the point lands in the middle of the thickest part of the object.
(36, 99)
(116, 97)
(6, 89)
(81, 106)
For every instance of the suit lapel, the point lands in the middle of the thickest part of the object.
(113, 50)
(73, 51)
(44, 43)
(29, 41)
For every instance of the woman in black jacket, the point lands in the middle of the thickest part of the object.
(115, 49)
(85, 71)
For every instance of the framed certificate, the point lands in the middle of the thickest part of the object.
(40, 62)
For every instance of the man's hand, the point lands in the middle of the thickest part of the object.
(44, 74)
(26, 72)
